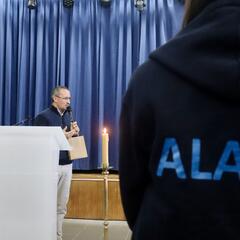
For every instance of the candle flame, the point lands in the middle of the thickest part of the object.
(104, 130)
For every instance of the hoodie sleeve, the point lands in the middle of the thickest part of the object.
(133, 157)
(126, 168)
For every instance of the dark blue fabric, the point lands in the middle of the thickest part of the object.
(179, 133)
(91, 49)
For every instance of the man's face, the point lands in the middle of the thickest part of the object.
(62, 99)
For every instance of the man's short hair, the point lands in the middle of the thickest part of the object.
(56, 90)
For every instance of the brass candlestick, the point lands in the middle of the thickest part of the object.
(105, 173)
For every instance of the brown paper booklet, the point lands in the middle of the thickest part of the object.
(78, 148)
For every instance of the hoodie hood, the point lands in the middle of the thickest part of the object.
(206, 52)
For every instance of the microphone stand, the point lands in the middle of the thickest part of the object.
(22, 122)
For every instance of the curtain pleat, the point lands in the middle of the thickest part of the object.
(91, 49)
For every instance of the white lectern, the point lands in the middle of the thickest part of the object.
(28, 181)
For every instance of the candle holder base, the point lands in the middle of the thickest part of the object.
(104, 170)
(105, 233)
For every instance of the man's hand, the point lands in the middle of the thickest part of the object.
(70, 133)
(75, 127)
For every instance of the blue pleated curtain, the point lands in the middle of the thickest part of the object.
(91, 49)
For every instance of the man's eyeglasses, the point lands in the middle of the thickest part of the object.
(64, 98)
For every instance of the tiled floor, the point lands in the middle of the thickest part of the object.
(78, 229)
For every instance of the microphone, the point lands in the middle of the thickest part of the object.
(22, 122)
(69, 109)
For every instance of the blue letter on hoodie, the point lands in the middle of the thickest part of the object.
(196, 174)
(231, 147)
(170, 145)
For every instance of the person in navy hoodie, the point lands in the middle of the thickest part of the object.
(179, 160)
(58, 115)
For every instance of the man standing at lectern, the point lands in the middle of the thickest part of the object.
(58, 115)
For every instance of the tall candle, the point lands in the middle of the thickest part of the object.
(105, 140)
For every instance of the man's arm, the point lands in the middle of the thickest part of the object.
(40, 120)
